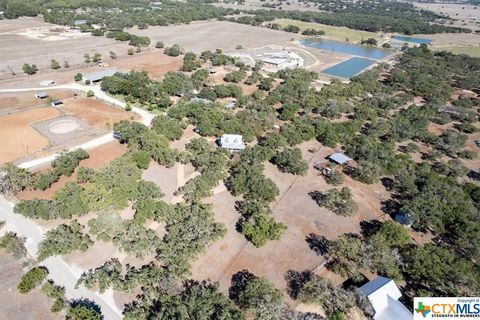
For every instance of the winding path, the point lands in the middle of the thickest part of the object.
(60, 271)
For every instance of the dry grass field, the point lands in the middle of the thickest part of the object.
(210, 35)
(30, 40)
(463, 15)
(14, 305)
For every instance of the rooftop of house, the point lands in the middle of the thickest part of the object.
(232, 142)
(383, 294)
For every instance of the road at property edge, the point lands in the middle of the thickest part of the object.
(59, 271)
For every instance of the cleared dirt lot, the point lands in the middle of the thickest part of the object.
(18, 137)
(154, 62)
(210, 35)
(95, 113)
(17, 306)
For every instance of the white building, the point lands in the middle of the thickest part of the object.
(232, 142)
(272, 61)
(383, 294)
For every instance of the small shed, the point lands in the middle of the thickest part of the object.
(339, 158)
(405, 219)
(41, 95)
(232, 142)
(202, 100)
(383, 294)
(99, 75)
(80, 22)
(56, 103)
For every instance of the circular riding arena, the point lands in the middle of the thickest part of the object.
(64, 129)
(63, 126)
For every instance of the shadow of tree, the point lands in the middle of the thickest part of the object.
(316, 196)
(390, 207)
(368, 228)
(319, 244)
(87, 304)
(295, 281)
(473, 175)
(239, 282)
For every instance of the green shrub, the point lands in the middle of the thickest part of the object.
(32, 279)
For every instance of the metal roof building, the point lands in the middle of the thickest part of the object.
(79, 22)
(339, 158)
(99, 75)
(232, 142)
(383, 294)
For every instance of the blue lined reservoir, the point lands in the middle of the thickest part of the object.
(349, 68)
(412, 39)
(346, 48)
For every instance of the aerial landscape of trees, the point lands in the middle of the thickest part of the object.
(408, 128)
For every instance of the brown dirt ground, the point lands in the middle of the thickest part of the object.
(18, 137)
(95, 113)
(11, 102)
(295, 208)
(99, 157)
(154, 62)
(17, 306)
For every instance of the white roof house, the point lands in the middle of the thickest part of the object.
(383, 294)
(339, 158)
(232, 142)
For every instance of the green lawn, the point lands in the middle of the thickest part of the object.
(337, 33)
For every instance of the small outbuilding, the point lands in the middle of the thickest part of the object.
(80, 22)
(99, 75)
(41, 95)
(45, 83)
(231, 105)
(56, 103)
(383, 294)
(339, 158)
(232, 142)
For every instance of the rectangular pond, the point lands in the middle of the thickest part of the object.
(412, 39)
(349, 68)
(346, 48)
